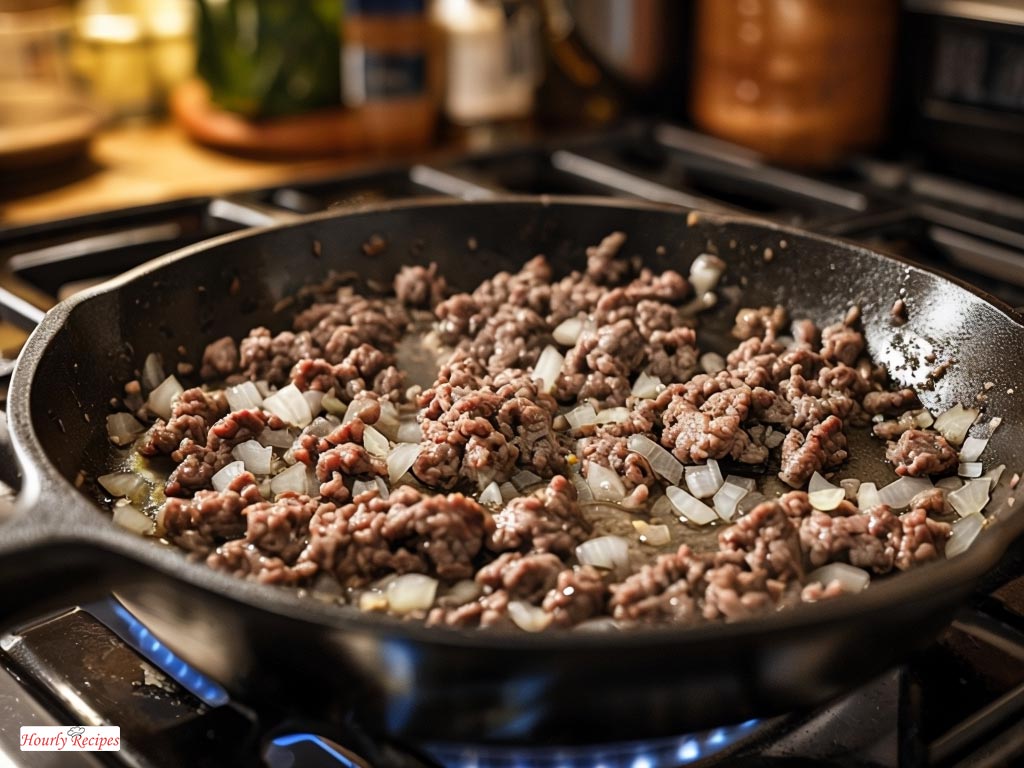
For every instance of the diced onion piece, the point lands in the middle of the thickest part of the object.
(704, 480)
(898, 494)
(382, 487)
(123, 428)
(333, 405)
(264, 388)
(491, 495)
(970, 469)
(401, 459)
(602, 624)
(774, 440)
(461, 592)
(121, 483)
(244, 396)
(568, 331)
(994, 474)
(850, 485)
(662, 462)
(993, 425)
(972, 498)
(320, 427)
(222, 479)
(152, 371)
(278, 438)
(411, 592)
(509, 491)
(712, 363)
(359, 487)
(583, 491)
(255, 457)
(972, 449)
(290, 405)
(694, 510)
(647, 386)
(964, 533)
(581, 416)
(743, 482)
(611, 415)
(610, 553)
(409, 431)
(923, 419)
(826, 499)
(604, 482)
(850, 578)
(652, 535)
(705, 272)
(529, 618)
(134, 520)
(389, 420)
(162, 398)
(727, 499)
(526, 479)
(375, 443)
(954, 423)
(314, 400)
(548, 368)
(819, 483)
(868, 497)
(292, 479)
(949, 483)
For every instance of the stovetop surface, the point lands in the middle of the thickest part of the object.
(960, 702)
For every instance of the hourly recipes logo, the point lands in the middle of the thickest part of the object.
(75, 738)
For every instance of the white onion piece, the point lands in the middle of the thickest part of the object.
(382, 487)
(743, 482)
(868, 497)
(243, 397)
(662, 462)
(705, 272)
(411, 592)
(970, 469)
(548, 368)
(647, 386)
(712, 363)
(375, 443)
(162, 398)
(602, 624)
(694, 510)
(461, 592)
(923, 419)
(121, 483)
(954, 423)
(529, 618)
(223, 478)
(359, 487)
(610, 553)
(611, 415)
(994, 474)
(509, 491)
(972, 498)
(583, 491)
(409, 431)
(819, 483)
(314, 400)
(704, 480)
(401, 459)
(964, 533)
(826, 499)
(898, 494)
(255, 457)
(774, 440)
(357, 406)
(320, 427)
(972, 449)
(491, 495)
(653, 535)
(290, 405)
(292, 479)
(152, 371)
(526, 479)
(264, 388)
(850, 485)
(389, 420)
(568, 331)
(727, 499)
(333, 405)
(949, 483)
(123, 428)
(134, 520)
(605, 483)
(581, 416)
(278, 438)
(850, 578)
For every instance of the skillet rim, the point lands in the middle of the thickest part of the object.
(43, 480)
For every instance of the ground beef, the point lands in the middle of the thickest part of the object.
(868, 540)
(579, 593)
(919, 452)
(667, 590)
(823, 447)
(525, 577)
(245, 560)
(420, 287)
(889, 402)
(602, 266)
(270, 358)
(220, 359)
(842, 344)
(763, 322)
(768, 541)
(197, 524)
(191, 417)
(547, 521)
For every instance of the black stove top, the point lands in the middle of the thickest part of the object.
(958, 702)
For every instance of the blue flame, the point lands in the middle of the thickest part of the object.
(291, 739)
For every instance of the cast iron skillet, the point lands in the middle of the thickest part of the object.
(413, 683)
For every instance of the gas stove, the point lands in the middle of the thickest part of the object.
(959, 702)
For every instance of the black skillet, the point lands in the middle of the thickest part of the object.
(418, 684)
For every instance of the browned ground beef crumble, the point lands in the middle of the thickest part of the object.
(485, 419)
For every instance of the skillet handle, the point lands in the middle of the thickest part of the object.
(44, 565)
